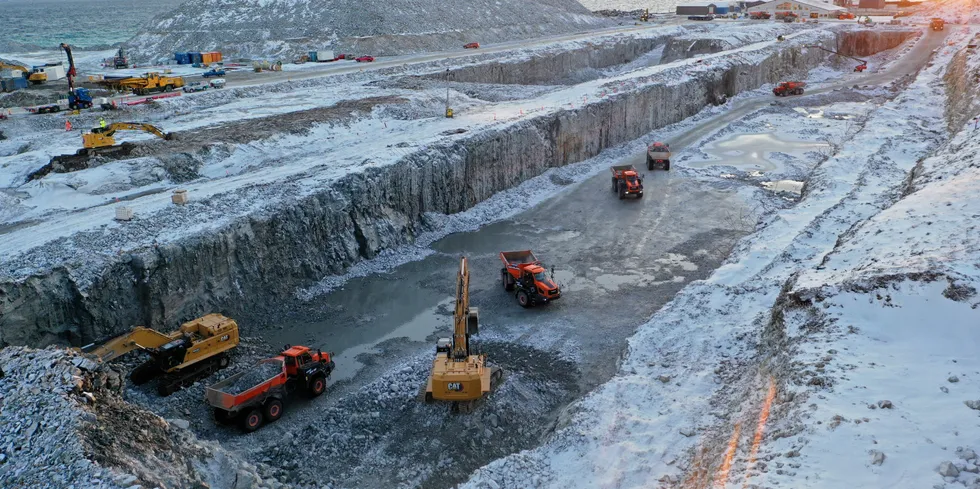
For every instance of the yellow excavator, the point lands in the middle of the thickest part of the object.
(102, 137)
(458, 375)
(180, 358)
(100, 141)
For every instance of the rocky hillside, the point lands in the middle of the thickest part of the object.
(268, 28)
(67, 425)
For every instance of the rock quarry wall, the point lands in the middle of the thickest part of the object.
(963, 86)
(264, 258)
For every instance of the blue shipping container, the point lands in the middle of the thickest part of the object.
(312, 55)
(196, 57)
(182, 58)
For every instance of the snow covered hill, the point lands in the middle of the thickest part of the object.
(269, 28)
(835, 349)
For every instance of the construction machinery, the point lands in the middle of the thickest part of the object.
(459, 375)
(256, 396)
(152, 82)
(845, 16)
(99, 142)
(78, 98)
(120, 61)
(645, 16)
(937, 24)
(658, 154)
(180, 358)
(789, 88)
(525, 275)
(859, 68)
(759, 15)
(626, 181)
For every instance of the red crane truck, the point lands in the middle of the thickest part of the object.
(256, 396)
(524, 273)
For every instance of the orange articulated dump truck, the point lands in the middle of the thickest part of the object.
(937, 24)
(256, 396)
(523, 273)
(626, 181)
(789, 88)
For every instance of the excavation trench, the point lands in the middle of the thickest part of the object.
(262, 259)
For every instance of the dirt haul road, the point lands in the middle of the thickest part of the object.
(619, 261)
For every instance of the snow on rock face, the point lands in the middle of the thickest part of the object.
(789, 328)
(263, 28)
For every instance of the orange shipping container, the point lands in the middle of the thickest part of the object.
(206, 58)
(218, 54)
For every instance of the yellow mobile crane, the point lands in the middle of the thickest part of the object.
(458, 375)
(178, 358)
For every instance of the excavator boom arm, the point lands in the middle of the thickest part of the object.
(864, 61)
(134, 126)
(460, 333)
(139, 338)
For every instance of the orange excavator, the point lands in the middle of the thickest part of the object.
(459, 375)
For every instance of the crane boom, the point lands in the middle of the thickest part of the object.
(71, 67)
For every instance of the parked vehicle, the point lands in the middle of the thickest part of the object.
(701, 17)
(760, 15)
(845, 16)
(626, 181)
(472, 45)
(256, 396)
(364, 59)
(525, 274)
(214, 72)
(195, 87)
(217, 83)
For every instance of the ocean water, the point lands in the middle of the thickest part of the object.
(31, 24)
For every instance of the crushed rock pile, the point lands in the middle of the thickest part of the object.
(289, 28)
(67, 425)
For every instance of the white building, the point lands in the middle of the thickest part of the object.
(803, 8)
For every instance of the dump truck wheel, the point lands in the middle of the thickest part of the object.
(622, 192)
(272, 410)
(318, 384)
(666, 165)
(223, 361)
(251, 420)
(615, 185)
(523, 299)
(649, 163)
(506, 279)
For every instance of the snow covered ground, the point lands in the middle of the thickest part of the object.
(239, 169)
(860, 295)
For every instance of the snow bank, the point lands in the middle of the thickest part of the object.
(700, 382)
(288, 28)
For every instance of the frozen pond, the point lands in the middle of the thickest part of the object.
(753, 151)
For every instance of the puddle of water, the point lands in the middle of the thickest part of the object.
(569, 282)
(816, 114)
(751, 151)
(416, 329)
(563, 236)
(790, 186)
(675, 260)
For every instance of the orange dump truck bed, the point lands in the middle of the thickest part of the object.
(251, 385)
